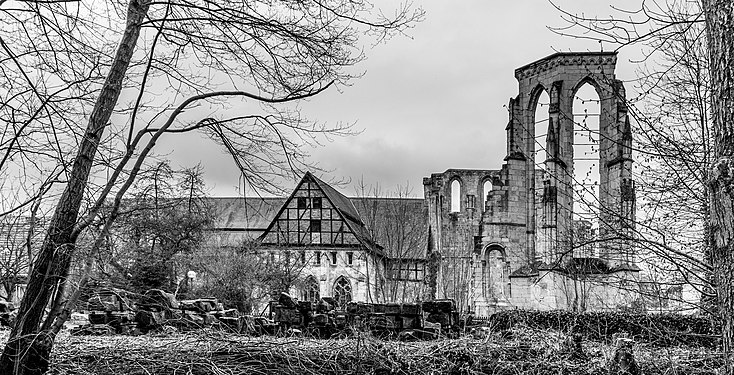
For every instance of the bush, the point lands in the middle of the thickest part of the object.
(666, 329)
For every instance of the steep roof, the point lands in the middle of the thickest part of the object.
(399, 225)
(339, 200)
(395, 227)
(253, 213)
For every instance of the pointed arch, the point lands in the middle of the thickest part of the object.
(539, 106)
(535, 94)
(588, 79)
(342, 291)
(455, 186)
(496, 272)
(311, 290)
(587, 140)
(486, 188)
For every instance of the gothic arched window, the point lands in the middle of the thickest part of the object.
(342, 291)
(455, 196)
(311, 290)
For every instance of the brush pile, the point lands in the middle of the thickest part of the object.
(517, 351)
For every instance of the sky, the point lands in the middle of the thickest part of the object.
(428, 102)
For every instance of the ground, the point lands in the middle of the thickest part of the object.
(519, 351)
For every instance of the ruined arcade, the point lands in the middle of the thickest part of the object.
(511, 238)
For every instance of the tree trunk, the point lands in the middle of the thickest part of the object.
(719, 16)
(28, 350)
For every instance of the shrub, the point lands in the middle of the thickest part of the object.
(665, 329)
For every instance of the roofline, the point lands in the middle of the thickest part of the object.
(378, 248)
(349, 197)
(560, 54)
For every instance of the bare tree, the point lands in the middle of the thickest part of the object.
(398, 223)
(702, 103)
(132, 72)
(671, 129)
(719, 17)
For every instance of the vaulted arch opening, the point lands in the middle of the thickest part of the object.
(496, 274)
(586, 176)
(486, 188)
(541, 101)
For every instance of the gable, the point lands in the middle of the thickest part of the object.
(310, 217)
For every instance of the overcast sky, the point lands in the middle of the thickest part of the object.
(431, 102)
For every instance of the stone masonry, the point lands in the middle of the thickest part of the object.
(517, 249)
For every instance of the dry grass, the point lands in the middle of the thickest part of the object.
(524, 351)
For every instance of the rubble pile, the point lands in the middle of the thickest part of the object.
(407, 321)
(115, 311)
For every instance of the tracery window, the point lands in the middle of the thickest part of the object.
(311, 290)
(342, 291)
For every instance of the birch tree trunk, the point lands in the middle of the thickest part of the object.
(28, 348)
(719, 16)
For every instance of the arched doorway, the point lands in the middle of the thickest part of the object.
(496, 275)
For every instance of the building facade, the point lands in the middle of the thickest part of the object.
(489, 239)
(368, 249)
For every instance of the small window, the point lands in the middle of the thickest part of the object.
(317, 258)
(333, 258)
(350, 258)
(455, 196)
(316, 202)
(303, 257)
(314, 226)
(471, 201)
(486, 190)
(302, 202)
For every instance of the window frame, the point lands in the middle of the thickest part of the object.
(302, 202)
(317, 202)
(333, 258)
(314, 224)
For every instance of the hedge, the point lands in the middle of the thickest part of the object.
(666, 329)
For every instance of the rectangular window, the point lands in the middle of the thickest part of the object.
(333, 258)
(406, 270)
(471, 201)
(303, 257)
(314, 226)
(350, 258)
(316, 202)
(317, 258)
(302, 202)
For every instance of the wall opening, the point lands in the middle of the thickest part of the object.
(342, 291)
(496, 275)
(541, 129)
(455, 196)
(486, 188)
(586, 178)
(311, 290)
